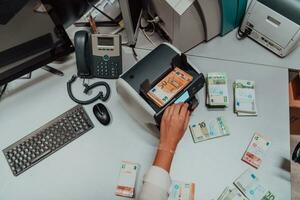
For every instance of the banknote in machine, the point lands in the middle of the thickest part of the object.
(256, 150)
(206, 130)
(127, 179)
(182, 191)
(169, 86)
(217, 89)
(249, 184)
(232, 194)
(244, 96)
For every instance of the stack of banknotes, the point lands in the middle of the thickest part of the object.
(247, 187)
(182, 191)
(217, 90)
(209, 129)
(244, 97)
(232, 194)
(256, 150)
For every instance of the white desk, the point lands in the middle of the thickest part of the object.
(88, 168)
(230, 48)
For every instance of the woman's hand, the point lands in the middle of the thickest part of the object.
(173, 125)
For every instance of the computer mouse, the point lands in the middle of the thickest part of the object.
(101, 113)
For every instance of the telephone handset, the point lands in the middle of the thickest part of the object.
(98, 55)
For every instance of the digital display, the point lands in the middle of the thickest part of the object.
(105, 41)
(183, 98)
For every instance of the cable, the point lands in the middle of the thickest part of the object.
(240, 35)
(103, 13)
(148, 38)
(134, 54)
(100, 95)
(3, 90)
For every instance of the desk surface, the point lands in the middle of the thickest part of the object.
(230, 48)
(88, 168)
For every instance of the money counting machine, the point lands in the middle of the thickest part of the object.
(134, 85)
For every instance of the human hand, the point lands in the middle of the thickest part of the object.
(173, 125)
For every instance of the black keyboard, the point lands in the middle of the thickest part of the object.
(46, 140)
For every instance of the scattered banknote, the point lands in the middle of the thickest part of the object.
(181, 191)
(256, 150)
(169, 86)
(232, 194)
(127, 179)
(244, 97)
(206, 130)
(217, 90)
(249, 184)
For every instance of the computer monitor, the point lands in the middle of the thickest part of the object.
(69, 11)
(29, 39)
(131, 13)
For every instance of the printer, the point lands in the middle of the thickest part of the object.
(134, 85)
(180, 20)
(273, 24)
(188, 23)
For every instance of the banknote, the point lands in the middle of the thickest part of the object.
(244, 96)
(256, 150)
(232, 194)
(248, 183)
(169, 86)
(206, 130)
(127, 179)
(217, 90)
(181, 191)
(269, 196)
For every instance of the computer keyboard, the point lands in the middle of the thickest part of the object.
(46, 140)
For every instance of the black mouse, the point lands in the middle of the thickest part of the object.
(101, 113)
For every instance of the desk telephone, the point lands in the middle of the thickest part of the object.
(98, 55)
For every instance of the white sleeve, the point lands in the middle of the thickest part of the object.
(156, 185)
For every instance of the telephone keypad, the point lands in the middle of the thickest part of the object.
(108, 68)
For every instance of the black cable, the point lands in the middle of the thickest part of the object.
(103, 13)
(3, 89)
(134, 53)
(296, 154)
(100, 95)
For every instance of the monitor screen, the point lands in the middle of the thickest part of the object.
(29, 39)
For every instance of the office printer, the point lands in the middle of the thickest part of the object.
(134, 84)
(273, 24)
(187, 23)
(180, 20)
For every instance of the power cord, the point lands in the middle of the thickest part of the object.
(240, 35)
(3, 88)
(134, 54)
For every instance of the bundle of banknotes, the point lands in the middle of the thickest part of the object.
(247, 187)
(217, 90)
(206, 130)
(182, 191)
(127, 179)
(249, 184)
(256, 150)
(232, 194)
(244, 97)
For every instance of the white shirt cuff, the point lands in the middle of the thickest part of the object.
(158, 177)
